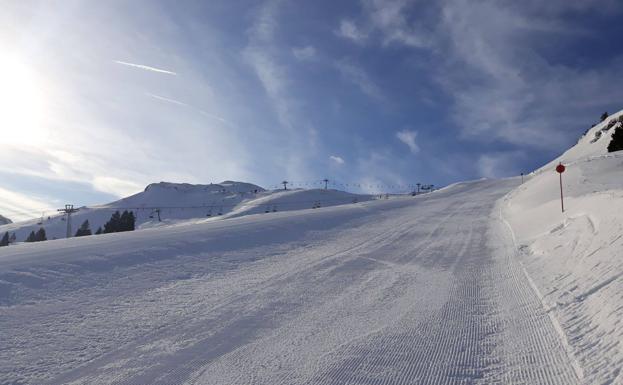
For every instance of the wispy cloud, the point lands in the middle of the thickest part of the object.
(304, 53)
(408, 137)
(504, 87)
(349, 30)
(388, 20)
(18, 207)
(499, 164)
(168, 100)
(337, 159)
(261, 55)
(360, 78)
(202, 112)
(145, 67)
(389, 17)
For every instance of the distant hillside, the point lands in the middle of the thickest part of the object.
(4, 220)
(166, 203)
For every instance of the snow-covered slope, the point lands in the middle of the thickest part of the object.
(592, 144)
(166, 203)
(575, 258)
(469, 284)
(4, 220)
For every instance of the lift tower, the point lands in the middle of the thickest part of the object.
(68, 210)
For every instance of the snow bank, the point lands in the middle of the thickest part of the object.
(575, 258)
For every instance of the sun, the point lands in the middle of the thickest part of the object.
(22, 113)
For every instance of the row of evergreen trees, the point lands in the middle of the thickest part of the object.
(39, 236)
(118, 222)
(32, 237)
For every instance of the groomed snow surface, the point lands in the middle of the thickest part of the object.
(483, 282)
(423, 290)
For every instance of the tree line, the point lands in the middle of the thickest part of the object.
(118, 222)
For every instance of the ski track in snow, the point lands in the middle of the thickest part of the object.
(422, 290)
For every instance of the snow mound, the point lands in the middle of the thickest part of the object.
(574, 257)
(298, 199)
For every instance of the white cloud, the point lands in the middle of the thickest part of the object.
(145, 67)
(349, 30)
(408, 137)
(337, 159)
(304, 53)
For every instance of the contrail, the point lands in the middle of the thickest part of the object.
(202, 112)
(168, 100)
(144, 67)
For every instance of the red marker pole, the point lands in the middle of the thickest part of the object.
(560, 169)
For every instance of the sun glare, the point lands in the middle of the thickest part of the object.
(21, 104)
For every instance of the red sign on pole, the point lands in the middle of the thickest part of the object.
(560, 169)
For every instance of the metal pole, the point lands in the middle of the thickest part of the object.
(69, 209)
(69, 224)
(562, 203)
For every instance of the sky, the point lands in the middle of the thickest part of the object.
(99, 99)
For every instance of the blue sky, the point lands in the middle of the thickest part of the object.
(99, 99)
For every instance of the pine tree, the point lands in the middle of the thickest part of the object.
(40, 236)
(5, 240)
(99, 231)
(113, 225)
(127, 221)
(85, 229)
(604, 116)
(616, 144)
(31, 237)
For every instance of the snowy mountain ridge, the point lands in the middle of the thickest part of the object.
(592, 144)
(166, 203)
